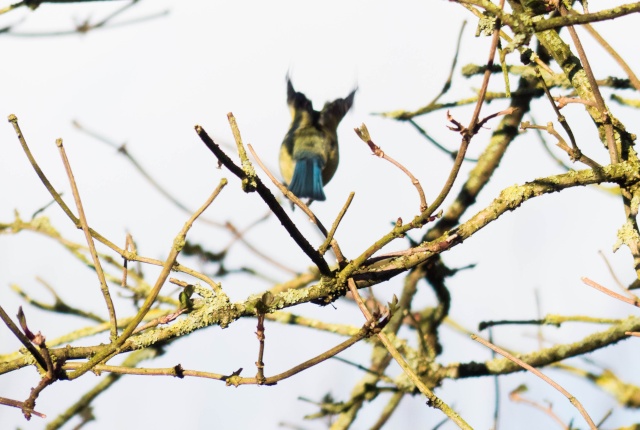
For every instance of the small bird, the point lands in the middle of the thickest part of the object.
(309, 151)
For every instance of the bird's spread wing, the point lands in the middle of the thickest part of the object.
(300, 106)
(333, 112)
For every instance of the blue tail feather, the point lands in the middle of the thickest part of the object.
(307, 179)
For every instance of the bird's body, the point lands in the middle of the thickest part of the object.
(309, 152)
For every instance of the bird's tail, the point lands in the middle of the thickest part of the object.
(307, 179)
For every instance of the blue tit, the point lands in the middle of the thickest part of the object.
(309, 151)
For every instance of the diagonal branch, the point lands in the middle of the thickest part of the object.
(269, 199)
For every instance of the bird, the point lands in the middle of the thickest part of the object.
(309, 152)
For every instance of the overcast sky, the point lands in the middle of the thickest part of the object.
(148, 84)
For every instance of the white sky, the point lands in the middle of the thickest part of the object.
(149, 84)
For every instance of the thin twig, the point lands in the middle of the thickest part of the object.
(84, 27)
(268, 198)
(632, 301)
(516, 397)
(389, 409)
(92, 247)
(122, 149)
(614, 275)
(574, 401)
(261, 337)
(554, 320)
(237, 235)
(20, 405)
(178, 243)
(424, 133)
(23, 339)
(487, 74)
(234, 379)
(12, 7)
(447, 84)
(58, 306)
(129, 245)
(561, 119)
(330, 240)
(364, 135)
(574, 153)
(604, 418)
(618, 59)
(433, 400)
(165, 319)
(469, 132)
(564, 100)
(56, 196)
(52, 372)
(83, 403)
(382, 376)
(611, 142)
(305, 208)
(288, 194)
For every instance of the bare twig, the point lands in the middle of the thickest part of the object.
(388, 410)
(364, 135)
(83, 403)
(574, 153)
(436, 144)
(268, 198)
(59, 305)
(330, 240)
(561, 119)
(487, 74)
(564, 100)
(51, 372)
(447, 84)
(261, 337)
(614, 54)
(84, 26)
(179, 241)
(235, 378)
(122, 149)
(165, 319)
(20, 405)
(92, 248)
(516, 397)
(632, 301)
(471, 130)
(23, 339)
(614, 275)
(305, 208)
(238, 235)
(130, 246)
(608, 126)
(574, 401)
(433, 400)
(56, 196)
